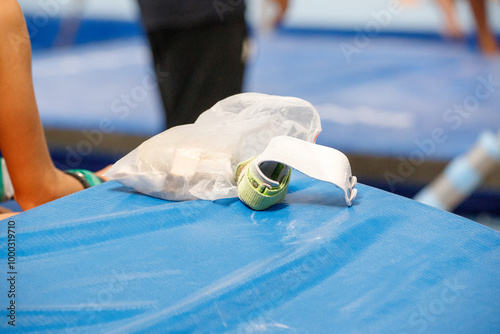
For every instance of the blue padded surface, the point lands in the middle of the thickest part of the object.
(109, 87)
(107, 260)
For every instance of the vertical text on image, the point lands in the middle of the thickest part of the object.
(11, 272)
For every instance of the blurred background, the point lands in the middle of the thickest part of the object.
(395, 92)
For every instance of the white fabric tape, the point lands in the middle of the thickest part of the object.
(320, 162)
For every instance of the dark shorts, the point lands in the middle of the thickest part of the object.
(197, 67)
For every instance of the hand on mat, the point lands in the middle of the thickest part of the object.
(67, 182)
(71, 181)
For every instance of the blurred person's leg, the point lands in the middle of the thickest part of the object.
(22, 141)
(452, 26)
(486, 37)
(197, 67)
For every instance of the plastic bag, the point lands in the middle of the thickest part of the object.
(199, 160)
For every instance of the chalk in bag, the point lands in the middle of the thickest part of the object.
(199, 160)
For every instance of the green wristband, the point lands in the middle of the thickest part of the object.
(261, 187)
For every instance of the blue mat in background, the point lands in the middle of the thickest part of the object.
(389, 95)
(108, 87)
(388, 99)
(107, 260)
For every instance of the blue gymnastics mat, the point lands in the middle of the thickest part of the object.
(107, 260)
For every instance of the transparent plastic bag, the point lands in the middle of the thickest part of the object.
(199, 160)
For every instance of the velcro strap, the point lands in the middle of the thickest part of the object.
(262, 186)
(263, 180)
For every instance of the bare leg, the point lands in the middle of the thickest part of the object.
(452, 26)
(22, 141)
(283, 5)
(486, 38)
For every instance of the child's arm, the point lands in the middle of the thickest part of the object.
(22, 140)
